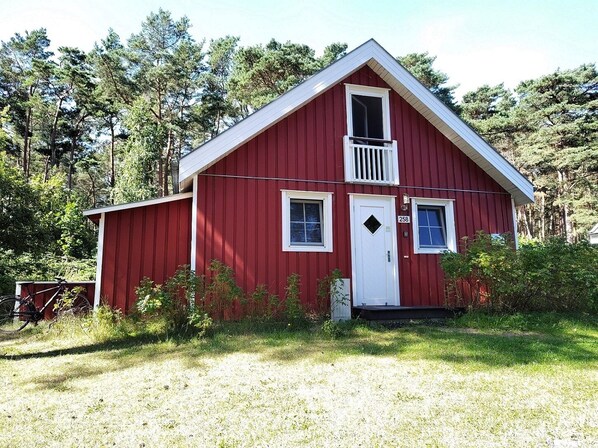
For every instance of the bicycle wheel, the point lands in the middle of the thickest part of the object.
(78, 308)
(15, 314)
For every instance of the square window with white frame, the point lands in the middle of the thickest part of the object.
(306, 221)
(433, 226)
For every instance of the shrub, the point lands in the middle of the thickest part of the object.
(171, 300)
(333, 329)
(201, 322)
(261, 304)
(188, 301)
(106, 315)
(222, 290)
(549, 276)
(107, 324)
(151, 297)
(65, 302)
(293, 310)
(328, 288)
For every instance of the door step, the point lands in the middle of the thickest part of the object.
(382, 312)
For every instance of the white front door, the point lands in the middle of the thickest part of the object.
(374, 250)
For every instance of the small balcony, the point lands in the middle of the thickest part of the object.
(371, 161)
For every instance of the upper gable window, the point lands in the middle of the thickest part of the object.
(368, 116)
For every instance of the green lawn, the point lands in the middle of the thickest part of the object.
(480, 382)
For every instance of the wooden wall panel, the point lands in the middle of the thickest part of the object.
(252, 247)
(151, 241)
(239, 199)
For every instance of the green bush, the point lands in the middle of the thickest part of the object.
(107, 323)
(41, 216)
(41, 267)
(171, 300)
(328, 288)
(221, 290)
(151, 298)
(260, 304)
(188, 301)
(541, 276)
(333, 330)
(201, 322)
(293, 309)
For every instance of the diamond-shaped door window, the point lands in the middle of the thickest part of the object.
(372, 224)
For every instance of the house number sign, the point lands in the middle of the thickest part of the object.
(403, 219)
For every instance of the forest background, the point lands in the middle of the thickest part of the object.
(85, 129)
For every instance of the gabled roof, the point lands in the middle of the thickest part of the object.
(594, 230)
(400, 80)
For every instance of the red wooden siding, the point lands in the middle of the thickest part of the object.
(150, 241)
(42, 297)
(239, 199)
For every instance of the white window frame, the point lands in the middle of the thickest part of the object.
(449, 216)
(354, 89)
(326, 224)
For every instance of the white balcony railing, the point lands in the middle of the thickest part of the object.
(371, 164)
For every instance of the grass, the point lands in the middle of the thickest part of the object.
(525, 380)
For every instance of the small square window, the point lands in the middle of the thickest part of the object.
(306, 221)
(433, 226)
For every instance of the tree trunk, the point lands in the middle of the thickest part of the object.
(93, 190)
(112, 175)
(160, 176)
(566, 221)
(522, 220)
(529, 215)
(53, 155)
(543, 216)
(71, 159)
(47, 169)
(216, 126)
(167, 158)
(74, 138)
(27, 144)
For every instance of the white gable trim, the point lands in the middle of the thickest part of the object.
(115, 208)
(405, 84)
(455, 129)
(225, 143)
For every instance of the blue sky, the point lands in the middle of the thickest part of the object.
(476, 42)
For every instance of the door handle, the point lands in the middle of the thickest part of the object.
(388, 255)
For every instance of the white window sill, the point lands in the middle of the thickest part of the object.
(432, 251)
(297, 248)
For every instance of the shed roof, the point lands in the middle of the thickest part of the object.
(94, 213)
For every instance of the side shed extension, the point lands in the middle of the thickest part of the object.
(137, 240)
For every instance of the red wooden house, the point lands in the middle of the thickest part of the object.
(359, 168)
